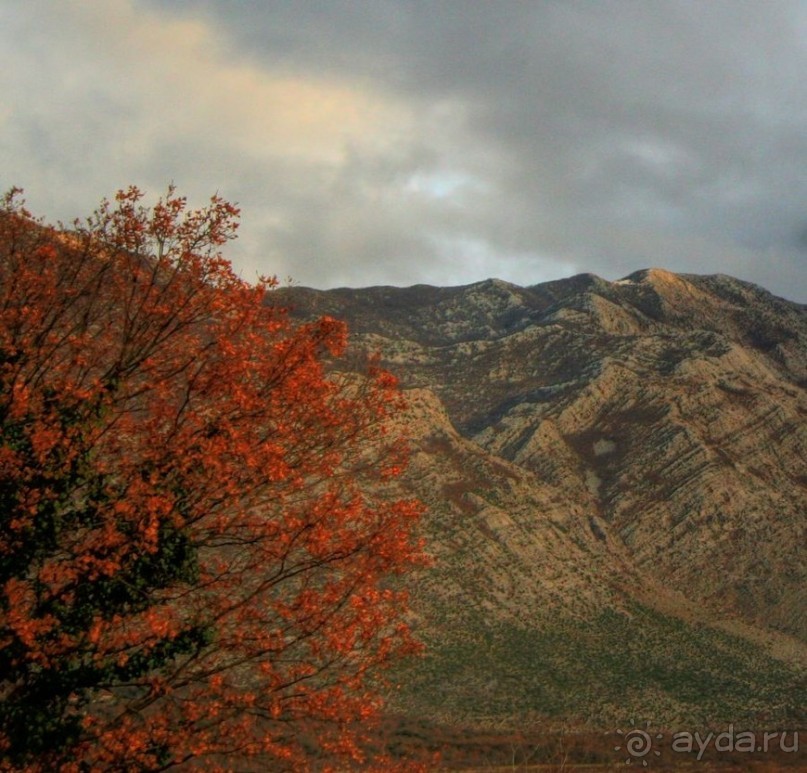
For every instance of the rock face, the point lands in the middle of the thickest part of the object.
(617, 481)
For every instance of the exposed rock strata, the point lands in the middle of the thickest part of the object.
(591, 448)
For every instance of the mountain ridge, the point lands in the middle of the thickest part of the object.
(601, 458)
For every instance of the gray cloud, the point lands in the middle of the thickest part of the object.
(401, 141)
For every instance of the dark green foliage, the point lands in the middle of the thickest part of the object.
(41, 710)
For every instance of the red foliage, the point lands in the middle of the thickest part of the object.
(196, 537)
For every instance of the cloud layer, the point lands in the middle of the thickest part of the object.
(397, 141)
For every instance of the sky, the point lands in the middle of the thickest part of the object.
(429, 141)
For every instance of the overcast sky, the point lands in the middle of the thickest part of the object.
(407, 141)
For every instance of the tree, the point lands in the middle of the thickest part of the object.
(197, 531)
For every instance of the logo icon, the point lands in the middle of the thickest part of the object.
(637, 743)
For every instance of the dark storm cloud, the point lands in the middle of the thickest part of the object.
(525, 140)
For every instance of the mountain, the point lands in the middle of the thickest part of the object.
(616, 475)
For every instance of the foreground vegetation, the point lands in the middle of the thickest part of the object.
(195, 531)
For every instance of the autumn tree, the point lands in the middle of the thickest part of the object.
(197, 531)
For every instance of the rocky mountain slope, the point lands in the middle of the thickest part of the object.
(617, 481)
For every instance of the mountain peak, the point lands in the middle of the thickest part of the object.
(652, 276)
(597, 455)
